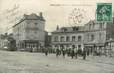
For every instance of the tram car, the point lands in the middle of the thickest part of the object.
(10, 44)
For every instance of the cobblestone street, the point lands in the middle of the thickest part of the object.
(24, 62)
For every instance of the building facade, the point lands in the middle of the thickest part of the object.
(93, 36)
(97, 34)
(68, 37)
(29, 31)
(110, 38)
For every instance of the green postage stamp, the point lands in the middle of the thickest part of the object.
(104, 12)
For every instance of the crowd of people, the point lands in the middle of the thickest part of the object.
(71, 52)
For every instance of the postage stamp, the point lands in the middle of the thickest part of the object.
(104, 12)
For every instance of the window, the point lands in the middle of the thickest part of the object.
(99, 36)
(93, 26)
(67, 38)
(64, 29)
(56, 38)
(35, 32)
(87, 37)
(92, 37)
(101, 25)
(79, 38)
(73, 38)
(62, 39)
(55, 46)
(89, 26)
(73, 46)
(75, 28)
(35, 23)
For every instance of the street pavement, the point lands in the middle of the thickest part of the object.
(25, 62)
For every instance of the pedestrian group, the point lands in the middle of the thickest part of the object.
(71, 52)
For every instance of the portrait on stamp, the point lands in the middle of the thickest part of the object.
(104, 12)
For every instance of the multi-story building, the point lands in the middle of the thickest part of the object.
(68, 37)
(97, 34)
(29, 31)
(94, 36)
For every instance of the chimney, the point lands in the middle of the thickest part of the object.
(41, 14)
(6, 34)
(57, 28)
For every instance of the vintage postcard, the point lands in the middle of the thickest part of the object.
(56, 36)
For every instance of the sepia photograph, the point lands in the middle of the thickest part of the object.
(56, 36)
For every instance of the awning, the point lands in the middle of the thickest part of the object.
(30, 41)
(89, 44)
(100, 44)
(110, 40)
(96, 44)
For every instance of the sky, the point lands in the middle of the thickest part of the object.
(55, 12)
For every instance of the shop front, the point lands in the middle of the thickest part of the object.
(29, 45)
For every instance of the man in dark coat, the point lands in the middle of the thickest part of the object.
(57, 52)
(75, 51)
(88, 52)
(64, 52)
(84, 53)
(46, 51)
(72, 53)
(68, 51)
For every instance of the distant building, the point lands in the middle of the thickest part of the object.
(29, 31)
(68, 37)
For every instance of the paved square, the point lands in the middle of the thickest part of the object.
(24, 62)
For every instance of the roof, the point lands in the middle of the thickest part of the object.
(91, 22)
(32, 16)
(70, 29)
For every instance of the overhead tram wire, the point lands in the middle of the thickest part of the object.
(14, 11)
